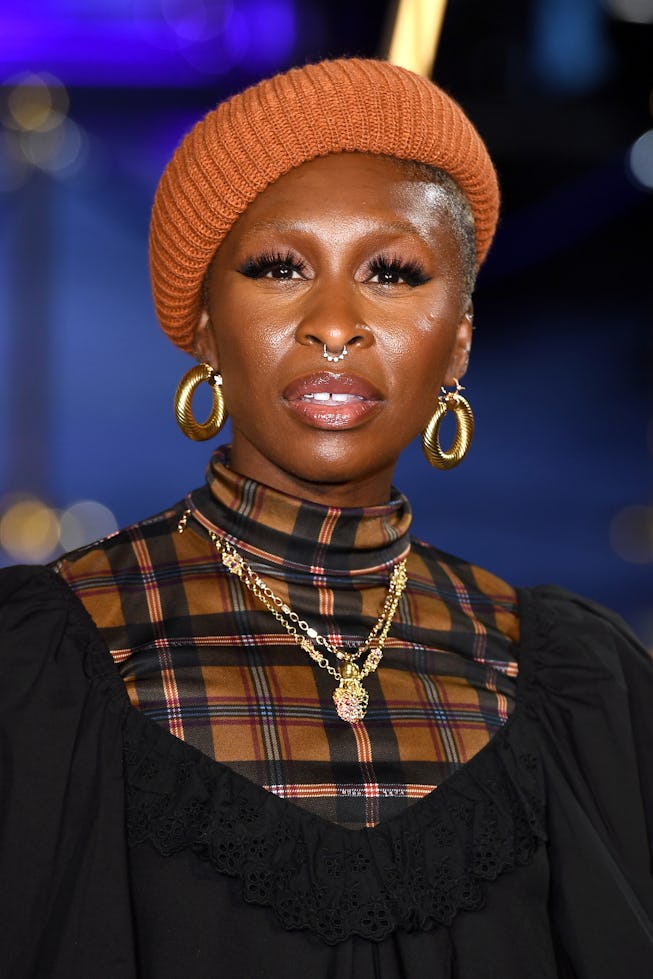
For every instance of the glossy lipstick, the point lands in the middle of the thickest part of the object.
(332, 401)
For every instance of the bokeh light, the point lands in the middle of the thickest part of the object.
(38, 134)
(35, 102)
(640, 160)
(29, 529)
(84, 522)
(631, 534)
(173, 25)
(196, 20)
(635, 11)
(217, 55)
(59, 151)
(33, 532)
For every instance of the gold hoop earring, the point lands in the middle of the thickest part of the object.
(454, 402)
(186, 388)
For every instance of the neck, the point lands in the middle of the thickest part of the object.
(284, 529)
(369, 490)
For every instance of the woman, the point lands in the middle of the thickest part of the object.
(336, 750)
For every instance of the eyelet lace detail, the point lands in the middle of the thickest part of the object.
(413, 872)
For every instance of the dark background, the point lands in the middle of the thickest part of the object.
(557, 486)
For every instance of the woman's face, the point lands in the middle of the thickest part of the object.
(349, 251)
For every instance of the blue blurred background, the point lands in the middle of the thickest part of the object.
(95, 96)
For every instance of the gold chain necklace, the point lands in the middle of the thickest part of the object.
(350, 697)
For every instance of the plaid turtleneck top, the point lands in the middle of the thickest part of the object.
(199, 654)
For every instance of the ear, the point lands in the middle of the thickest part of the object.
(459, 359)
(204, 345)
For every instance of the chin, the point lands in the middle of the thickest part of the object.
(337, 468)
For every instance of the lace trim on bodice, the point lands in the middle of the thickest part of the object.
(412, 872)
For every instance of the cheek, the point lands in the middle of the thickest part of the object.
(248, 352)
(244, 340)
(423, 347)
(418, 361)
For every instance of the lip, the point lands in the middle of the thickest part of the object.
(362, 399)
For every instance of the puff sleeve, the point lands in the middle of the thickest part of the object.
(591, 698)
(64, 900)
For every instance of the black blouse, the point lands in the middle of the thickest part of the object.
(125, 852)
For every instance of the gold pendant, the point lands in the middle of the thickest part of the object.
(350, 697)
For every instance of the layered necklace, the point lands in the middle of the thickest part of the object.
(350, 697)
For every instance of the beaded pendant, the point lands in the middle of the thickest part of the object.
(350, 697)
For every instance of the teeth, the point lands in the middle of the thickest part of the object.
(328, 396)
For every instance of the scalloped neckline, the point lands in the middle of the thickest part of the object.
(424, 804)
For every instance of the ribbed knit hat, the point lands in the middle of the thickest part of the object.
(252, 139)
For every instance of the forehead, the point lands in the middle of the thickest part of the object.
(354, 186)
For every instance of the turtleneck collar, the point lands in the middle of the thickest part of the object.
(277, 528)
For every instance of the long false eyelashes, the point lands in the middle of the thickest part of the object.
(283, 263)
(393, 270)
(389, 269)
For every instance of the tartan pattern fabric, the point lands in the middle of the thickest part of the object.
(200, 657)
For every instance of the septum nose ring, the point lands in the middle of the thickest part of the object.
(334, 358)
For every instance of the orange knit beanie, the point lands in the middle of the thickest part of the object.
(251, 140)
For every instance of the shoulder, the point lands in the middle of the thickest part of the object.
(589, 689)
(119, 560)
(477, 580)
(121, 548)
(580, 654)
(30, 588)
(47, 640)
(559, 620)
(477, 593)
(117, 579)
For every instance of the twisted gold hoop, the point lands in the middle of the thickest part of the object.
(186, 388)
(449, 401)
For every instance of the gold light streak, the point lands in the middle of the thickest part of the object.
(416, 33)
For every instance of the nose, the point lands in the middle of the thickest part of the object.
(334, 321)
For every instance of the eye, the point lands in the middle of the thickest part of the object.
(394, 271)
(274, 265)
